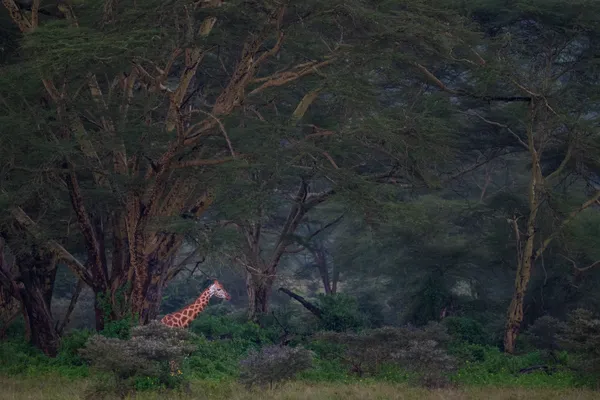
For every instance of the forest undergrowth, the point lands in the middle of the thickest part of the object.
(226, 357)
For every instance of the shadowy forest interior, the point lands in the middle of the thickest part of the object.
(313, 199)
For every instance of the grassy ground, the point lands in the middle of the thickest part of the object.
(57, 388)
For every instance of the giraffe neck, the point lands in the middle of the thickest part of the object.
(197, 307)
(186, 315)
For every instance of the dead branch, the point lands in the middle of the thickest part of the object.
(282, 78)
(222, 127)
(481, 117)
(307, 304)
(576, 268)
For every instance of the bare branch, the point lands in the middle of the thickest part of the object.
(327, 225)
(580, 270)
(31, 227)
(445, 88)
(282, 78)
(61, 327)
(204, 162)
(218, 121)
(17, 16)
(326, 154)
(521, 142)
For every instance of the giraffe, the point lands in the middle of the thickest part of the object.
(184, 317)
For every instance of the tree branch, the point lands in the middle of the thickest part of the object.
(282, 78)
(203, 162)
(17, 16)
(521, 142)
(307, 304)
(445, 88)
(581, 270)
(86, 227)
(31, 227)
(565, 222)
(61, 327)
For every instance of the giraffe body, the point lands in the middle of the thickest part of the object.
(184, 317)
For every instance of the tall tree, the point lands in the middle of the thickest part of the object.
(143, 102)
(545, 52)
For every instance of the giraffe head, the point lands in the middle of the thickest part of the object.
(216, 289)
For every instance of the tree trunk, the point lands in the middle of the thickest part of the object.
(515, 310)
(259, 293)
(41, 325)
(526, 252)
(524, 266)
(335, 279)
(152, 298)
(321, 261)
(157, 266)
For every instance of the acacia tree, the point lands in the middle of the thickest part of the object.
(145, 100)
(545, 54)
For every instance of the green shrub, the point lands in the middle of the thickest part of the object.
(216, 360)
(146, 355)
(368, 353)
(226, 327)
(274, 363)
(70, 344)
(581, 335)
(340, 313)
(466, 330)
(487, 365)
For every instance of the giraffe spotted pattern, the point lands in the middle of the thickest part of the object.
(184, 317)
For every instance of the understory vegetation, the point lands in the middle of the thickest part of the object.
(225, 350)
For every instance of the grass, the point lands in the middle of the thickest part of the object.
(58, 388)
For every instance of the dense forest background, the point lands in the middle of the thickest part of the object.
(339, 166)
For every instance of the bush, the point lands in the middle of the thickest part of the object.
(466, 330)
(487, 365)
(416, 350)
(143, 358)
(70, 344)
(18, 357)
(581, 334)
(216, 360)
(340, 313)
(225, 327)
(273, 364)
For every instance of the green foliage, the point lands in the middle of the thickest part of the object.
(116, 327)
(486, 365)
(215, 360)
(146, 354)
(273, 364)
(18, 357)
(229, 327)
(341, 313)
(467, 330)
(70, 344)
